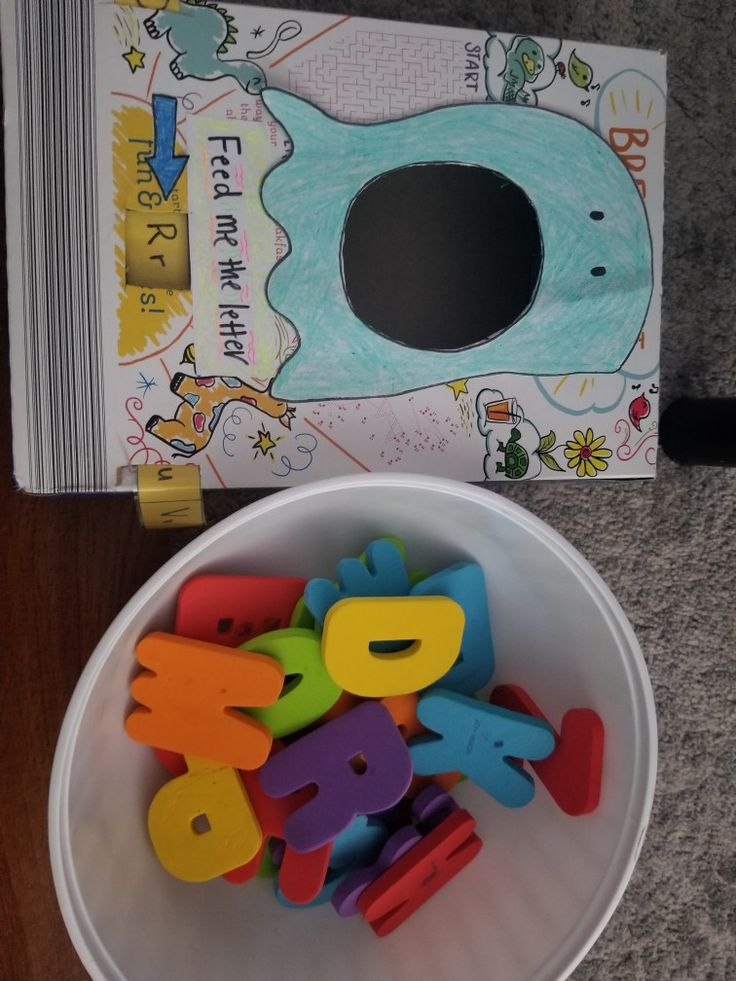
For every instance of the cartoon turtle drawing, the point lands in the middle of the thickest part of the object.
(515, 462)
(525, 453)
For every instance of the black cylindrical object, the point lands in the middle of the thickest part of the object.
(700, 432)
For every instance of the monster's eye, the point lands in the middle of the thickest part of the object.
(440, 256)
(597, 215)
(598, 271)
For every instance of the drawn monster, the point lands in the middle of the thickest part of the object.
(524, 62)
(200, 33)
(515, 74)
(383, 284)
(203, 402)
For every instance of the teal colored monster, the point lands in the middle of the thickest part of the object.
(200, 33)
(591, 295)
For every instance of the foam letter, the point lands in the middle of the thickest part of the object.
(188, 696)
(433, 624)
(230, 834)
(324, 757)
(465, 584)
(480, 740)
(308, 696)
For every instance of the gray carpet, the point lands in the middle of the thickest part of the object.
(667, 548)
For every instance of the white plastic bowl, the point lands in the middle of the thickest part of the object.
(545, 884)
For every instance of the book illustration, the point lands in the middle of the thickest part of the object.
(587, 453)
(639, 408)
(629, 115)
(136, 59)
(578, 394)
(572, 202)
(642, 406)
(287, 30)
(127, 30)
(202, 403)
(140, 452)
(514, 445)
(579, 73)
(241, 427)
(332, 244)
(516, 72)
(647, 442)
(305, 445)
(199, 33)
(167, 166)
(145, 313)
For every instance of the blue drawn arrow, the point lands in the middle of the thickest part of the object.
(167, 167)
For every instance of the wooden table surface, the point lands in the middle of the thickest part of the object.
(68, 565)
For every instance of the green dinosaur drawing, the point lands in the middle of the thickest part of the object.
(200, 32)
(524, 62)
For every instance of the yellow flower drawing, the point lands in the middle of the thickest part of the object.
(586, 454)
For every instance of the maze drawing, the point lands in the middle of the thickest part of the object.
(370, 76)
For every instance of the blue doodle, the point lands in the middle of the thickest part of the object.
(184, 446)
(300, 448)
(145, 384)
(236, 419)
(577, 396)
(167, 167)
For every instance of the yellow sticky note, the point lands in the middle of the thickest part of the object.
(144, 315)
(157, 250)
(170, 496)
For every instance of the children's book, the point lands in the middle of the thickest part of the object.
(285, 246)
